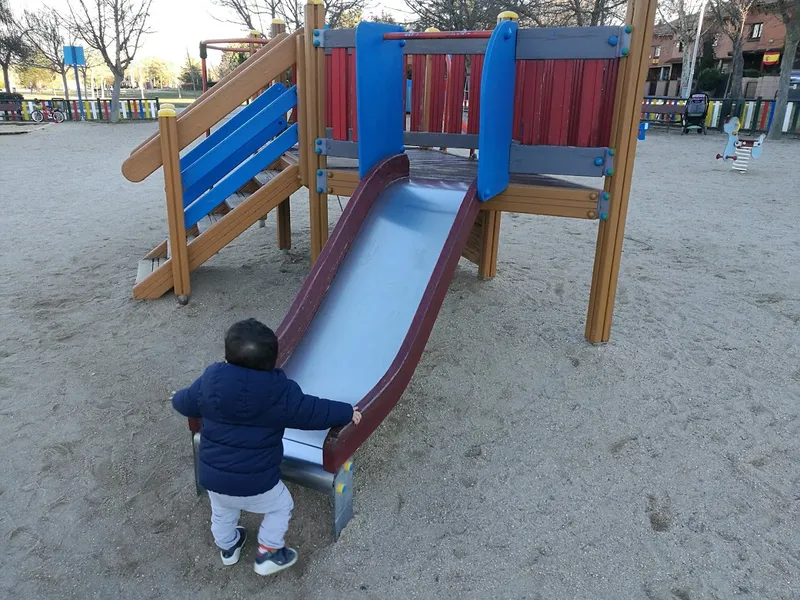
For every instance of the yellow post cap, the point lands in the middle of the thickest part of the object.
(167, 105)
(431, 30)
(341, 488)
(507, 15)
(277, 21)
(167, 112)
(315, 1)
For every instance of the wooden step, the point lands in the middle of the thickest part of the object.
(265, 177)
(236, 199)
(189, 238)
(147, 266)
(207, 221)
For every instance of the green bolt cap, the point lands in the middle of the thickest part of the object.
(604, 217)
(628, 28)
(609, 172)
(625, 52)
(606, 195)
(320, 171)
(611, 152)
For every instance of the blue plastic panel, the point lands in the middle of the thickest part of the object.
(367, 311)
(497, 111)
(380, 93)
(244, 173)
(232, 124)
(220, 160)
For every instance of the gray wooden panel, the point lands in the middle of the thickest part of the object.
(341, 148)
(568, 42)
(537, 43)
(440, 140)
(557, 160)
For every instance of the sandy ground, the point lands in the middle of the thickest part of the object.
(522, 462)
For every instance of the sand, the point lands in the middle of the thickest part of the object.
(522, 461)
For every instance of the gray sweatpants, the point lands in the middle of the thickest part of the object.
(276, 505)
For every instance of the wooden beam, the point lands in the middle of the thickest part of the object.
(284, 225)
(641, 15)
(218, 102)
(487, 267)
(170, 156)
(223, 232)
(315, 111)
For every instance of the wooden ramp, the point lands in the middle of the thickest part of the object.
(218, 229)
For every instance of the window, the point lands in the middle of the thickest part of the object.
(680, 46)
(717, 36)
(656, 51)
(755, 31)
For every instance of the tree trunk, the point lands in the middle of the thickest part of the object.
(686, 66)
(738, 70)
(115, 98)
(64, 81)
(6, 78)
(782, 99)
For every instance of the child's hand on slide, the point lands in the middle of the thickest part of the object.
(356, 417)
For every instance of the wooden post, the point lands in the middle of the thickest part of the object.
(630, 85)
(284, 226)
(490, 241)
(315, 127)
(426, 92)
(170, 157)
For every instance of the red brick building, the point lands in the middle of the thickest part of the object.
(763, 48)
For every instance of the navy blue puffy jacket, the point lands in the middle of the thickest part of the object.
(244, 415)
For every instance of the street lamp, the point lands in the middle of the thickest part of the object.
(687, 90)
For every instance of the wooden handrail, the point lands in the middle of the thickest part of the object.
(221, 82)
(219, 101)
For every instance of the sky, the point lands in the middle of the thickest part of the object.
(181, 24)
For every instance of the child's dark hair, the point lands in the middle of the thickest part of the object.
(252, 345)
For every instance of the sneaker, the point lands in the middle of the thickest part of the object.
(268, 563)
(231, 555)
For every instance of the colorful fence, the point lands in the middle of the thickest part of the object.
(95, 110)
(755, 115)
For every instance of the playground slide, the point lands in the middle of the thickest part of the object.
(357, 329)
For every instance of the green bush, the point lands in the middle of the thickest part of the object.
(751, 73)
(708, 80)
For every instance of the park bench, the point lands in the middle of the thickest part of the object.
(658, 110)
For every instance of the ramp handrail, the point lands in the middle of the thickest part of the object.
(219, 101)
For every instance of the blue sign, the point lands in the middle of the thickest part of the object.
(73, 56)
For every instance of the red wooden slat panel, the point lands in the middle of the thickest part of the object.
(438, 83)
(352, 102)
(531, 99)
(544, 109)
(454, 100)
(610, 72)
(339, 93)
(589, 103)
(328, 90)
(417, 91)
(573, 98)
(474, 109)
(519, 87)
(556, 133)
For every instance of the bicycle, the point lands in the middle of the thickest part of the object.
(41, 112)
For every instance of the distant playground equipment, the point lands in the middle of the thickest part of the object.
(695, 113)
(740, 150)
(544, 102)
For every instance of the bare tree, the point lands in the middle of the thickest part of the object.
(585, 13)
(115, 29)
(789, 11)
(13, 48)
(680, 17)
(248, 13)
(45, 32)
(732, 18)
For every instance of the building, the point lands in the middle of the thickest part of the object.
(762, 50)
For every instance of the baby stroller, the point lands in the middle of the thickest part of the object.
(694, 115)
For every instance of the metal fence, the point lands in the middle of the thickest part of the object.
(755, 115)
